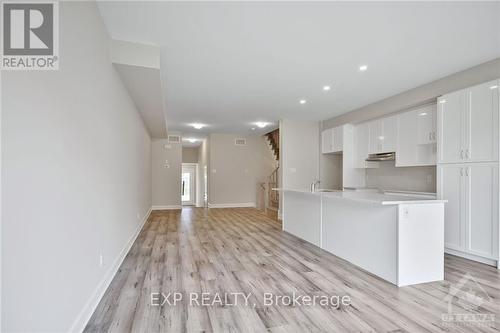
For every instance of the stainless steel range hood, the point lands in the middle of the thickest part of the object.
(381, 157)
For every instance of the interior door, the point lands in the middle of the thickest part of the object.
(482, 213)
(451, 187)
(450, 120)
(188, 184)
(482, 120)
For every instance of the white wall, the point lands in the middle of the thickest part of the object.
(166, 180)
(76, 178)
(331, 171)
(190, 154)
(200, 179)
(388, 177)
(236, 171)
(299, 153)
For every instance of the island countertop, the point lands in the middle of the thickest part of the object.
(370, 196)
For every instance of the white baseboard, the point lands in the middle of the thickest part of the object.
(233, 205)
(169, 207)
(487, 261)
(89, 308)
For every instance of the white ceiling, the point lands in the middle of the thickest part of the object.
(228, 64)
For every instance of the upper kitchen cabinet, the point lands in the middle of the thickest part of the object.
(382, 135)
(361, 142)
(361, 146)
(482, 123)
(327, 141)
(332, 140)
(416, 137)
(426, 125)
(468, 124)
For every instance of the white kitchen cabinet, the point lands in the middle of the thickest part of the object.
(383, 135)
(389, 134)
(332, 140)
(327, 141)
(338, 138)
(375, 137)
(426, 125)
(482, 214)
(482, 123)
(416, 137)
(471, 214)
(361, 146)
(451, 187)
(468, 124)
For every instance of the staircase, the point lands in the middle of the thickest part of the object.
(274, 140)
(272, 182)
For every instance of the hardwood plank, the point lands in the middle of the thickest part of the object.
(242, 250)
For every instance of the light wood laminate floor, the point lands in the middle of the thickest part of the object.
(241, 250)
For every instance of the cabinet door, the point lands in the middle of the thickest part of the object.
(426, 126)
(482, 210)
(327, 141)
(451, 187)
(389, 133)
(338, 138)
(376, 137)
(450, 122)
(482, 121)
(406, 150)
(361, 143)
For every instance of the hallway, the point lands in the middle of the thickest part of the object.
(242, 251)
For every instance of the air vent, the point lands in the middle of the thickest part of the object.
(240, 142)
(174, 138)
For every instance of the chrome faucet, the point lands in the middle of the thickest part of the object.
(313, 185)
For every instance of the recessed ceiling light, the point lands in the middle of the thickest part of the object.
(192, 140)
(422, 114)
(302, 101)
(261, 124)
(363, 68)
(442, 101)
(198, 125)
(326, 88)
(494, 87)
(253, 128)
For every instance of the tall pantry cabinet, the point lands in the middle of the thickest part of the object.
(468, 173)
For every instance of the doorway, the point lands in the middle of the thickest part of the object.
(188, 184)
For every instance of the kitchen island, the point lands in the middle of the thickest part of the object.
(399, 238)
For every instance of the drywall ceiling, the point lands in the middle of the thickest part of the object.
(228, 64)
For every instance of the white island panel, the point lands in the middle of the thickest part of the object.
(302, 215)
(362, 233)
(420, 243)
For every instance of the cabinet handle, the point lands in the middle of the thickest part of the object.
(430, 136)
(467, 171)
(461, 172)
(434, 135)
(467, 154)
(462, 154)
